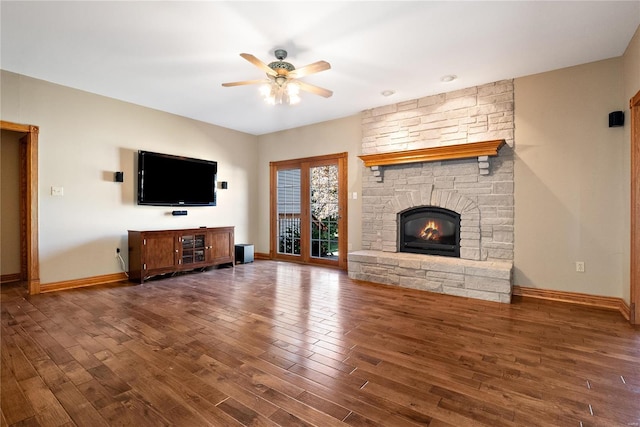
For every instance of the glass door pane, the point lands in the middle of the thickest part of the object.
(288, 211)
(323, 183)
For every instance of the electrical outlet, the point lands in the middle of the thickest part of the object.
(117, 252)
(580, 266)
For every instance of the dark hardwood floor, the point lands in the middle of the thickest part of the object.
(272, 343)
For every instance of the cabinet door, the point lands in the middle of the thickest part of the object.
(193, 248)
(160, 251)
(221, 246)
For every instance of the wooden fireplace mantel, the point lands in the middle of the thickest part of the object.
(449, 152)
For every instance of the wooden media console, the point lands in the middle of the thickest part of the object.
(166, 251)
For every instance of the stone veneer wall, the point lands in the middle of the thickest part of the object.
(485, 201)
(480, 113)
(480, 189)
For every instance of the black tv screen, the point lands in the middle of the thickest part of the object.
(167, 180)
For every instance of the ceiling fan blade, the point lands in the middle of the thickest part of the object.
(314, 89)
(316, 67)
(255, 61)
(245, 82)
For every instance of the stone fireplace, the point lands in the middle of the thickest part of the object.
(438, 194)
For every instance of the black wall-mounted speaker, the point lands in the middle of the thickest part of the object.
(223, 185)
(616, 119)
(118, 177)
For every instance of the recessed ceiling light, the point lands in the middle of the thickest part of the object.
(448, 78)
(387, 92)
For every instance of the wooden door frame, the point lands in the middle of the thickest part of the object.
(634, 106)
(29, 258)
(342, 161)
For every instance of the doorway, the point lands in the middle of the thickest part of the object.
(28, 201)
(309, 210)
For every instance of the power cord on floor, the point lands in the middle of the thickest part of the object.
(121, 262)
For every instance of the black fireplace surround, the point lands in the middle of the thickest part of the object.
(429, 230)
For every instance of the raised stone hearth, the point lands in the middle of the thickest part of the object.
(452, 151)
(486, 280)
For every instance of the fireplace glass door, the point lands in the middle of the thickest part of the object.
(430, 230)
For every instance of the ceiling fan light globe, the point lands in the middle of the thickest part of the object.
(294, 99)
(265, 90)
(293, 89)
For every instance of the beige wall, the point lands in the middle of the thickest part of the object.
(570, 203)
(336, 136)
(9, 202)
(84, 139)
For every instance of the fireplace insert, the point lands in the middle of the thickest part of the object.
(429, 230)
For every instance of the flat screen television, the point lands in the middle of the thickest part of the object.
(168, 180)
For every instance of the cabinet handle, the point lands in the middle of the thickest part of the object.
(176, 251)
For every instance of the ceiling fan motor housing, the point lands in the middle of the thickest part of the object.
(280, 66)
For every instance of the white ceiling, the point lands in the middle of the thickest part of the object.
(173, 56)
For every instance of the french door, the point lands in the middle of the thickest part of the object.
(309, 210)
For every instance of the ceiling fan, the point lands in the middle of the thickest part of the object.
(282, 84)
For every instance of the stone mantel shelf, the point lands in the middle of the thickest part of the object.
(449, 152)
